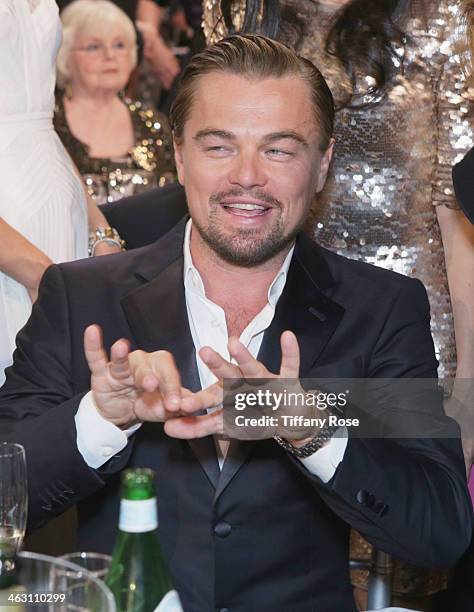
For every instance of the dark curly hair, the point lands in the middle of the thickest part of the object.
(364, 35)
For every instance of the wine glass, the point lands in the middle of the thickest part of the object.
(13, 503)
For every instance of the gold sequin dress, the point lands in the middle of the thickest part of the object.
(392, 166)
(148, 164)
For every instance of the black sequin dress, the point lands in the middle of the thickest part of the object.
(148, 164)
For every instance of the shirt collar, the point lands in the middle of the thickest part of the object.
(193, 281)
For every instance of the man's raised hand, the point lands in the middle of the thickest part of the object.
(131, 387)
(246, 367)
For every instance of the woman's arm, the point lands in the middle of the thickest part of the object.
(458, 240)
(160, 56)
(21, 260)
(98, 221)
(151, 12)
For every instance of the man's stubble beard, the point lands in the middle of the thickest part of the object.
(245, 248)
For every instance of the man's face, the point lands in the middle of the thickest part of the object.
(250, 162)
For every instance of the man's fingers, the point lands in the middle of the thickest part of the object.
(119, 366)
(203, 400)
(220, 367)
(144, 377)
(157, 371)
(248, 365)
(169, 380)
(190, 427)
(94, 350)
(290, 355)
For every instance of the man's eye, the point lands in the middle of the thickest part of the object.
(279, 153)
(217, 149)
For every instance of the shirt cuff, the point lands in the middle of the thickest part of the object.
(98, 440)
(323, 463)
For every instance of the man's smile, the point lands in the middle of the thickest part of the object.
(245, 207)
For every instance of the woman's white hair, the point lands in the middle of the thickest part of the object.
(91, 17)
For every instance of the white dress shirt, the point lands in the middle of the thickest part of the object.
(98, 439)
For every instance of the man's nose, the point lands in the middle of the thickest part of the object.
(247, 171)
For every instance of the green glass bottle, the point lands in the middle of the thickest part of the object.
(138, 576)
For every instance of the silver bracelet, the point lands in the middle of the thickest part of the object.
(108, 235)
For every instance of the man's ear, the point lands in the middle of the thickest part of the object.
(178, 159)
(324, 165)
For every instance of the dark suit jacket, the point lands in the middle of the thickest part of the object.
(264, 534)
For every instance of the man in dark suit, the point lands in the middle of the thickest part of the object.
(256, 525)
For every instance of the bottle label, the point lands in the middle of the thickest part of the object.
(170, 603)
(137, 516)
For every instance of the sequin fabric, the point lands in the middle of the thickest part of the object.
(148, 164)
(392, 168)
(392, 164)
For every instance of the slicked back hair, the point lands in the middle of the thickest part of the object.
(253, 57)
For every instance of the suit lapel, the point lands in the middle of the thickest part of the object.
(157, 316)
(205, 452)
(237, 455)
(303, 309)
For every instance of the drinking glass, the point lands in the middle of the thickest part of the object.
(96, 564)
(75, 583)
(13, 503)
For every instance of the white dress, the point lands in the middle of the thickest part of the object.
(40, 194)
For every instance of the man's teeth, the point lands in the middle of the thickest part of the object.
(245, 206)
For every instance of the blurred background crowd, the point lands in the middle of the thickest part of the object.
(401, 75)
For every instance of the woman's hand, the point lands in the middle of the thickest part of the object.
(160, 56)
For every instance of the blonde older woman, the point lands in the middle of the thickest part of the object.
(119, 146)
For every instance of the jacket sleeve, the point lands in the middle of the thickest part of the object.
(407, 496)
(38, 403)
